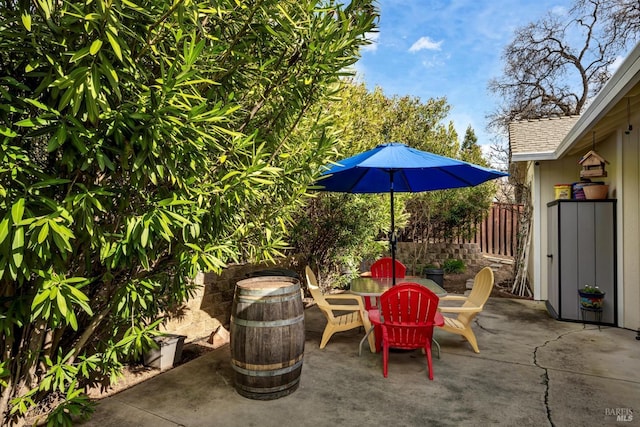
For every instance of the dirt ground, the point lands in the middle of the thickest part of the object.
(503, 272)
(453, 283)
(136, 373)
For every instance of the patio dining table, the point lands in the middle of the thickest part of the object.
(375, 286)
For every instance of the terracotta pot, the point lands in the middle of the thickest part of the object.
(596, 191)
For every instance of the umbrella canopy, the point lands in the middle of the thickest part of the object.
(412, 171)
(396, 167)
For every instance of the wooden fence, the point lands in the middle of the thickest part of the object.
(497, 233)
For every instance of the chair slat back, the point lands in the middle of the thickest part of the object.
(480, 292)
(314, 289)
(383, 267)
(408, 311)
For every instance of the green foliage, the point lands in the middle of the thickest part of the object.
(455, 212)
(338, 230)
(470, 150)
(367, 119)
(140, 144)
(453, 266)
(591, 289)
(371, 118)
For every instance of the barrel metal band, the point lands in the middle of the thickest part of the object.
(267, 323)
(267, 373)
(271, 366)
(267, 292)
(266, 390)
(266, 299)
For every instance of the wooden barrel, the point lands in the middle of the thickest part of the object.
(267, 336)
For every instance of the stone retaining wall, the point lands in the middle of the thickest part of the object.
(418, 255)
(210, 307)
(433, 253)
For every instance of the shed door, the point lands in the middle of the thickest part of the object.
(553, 292)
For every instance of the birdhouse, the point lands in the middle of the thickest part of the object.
(592, 165)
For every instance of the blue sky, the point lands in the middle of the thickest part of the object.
(447, 48)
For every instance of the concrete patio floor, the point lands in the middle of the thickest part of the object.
(531, 371)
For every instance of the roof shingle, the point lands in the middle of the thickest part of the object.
(540, 135)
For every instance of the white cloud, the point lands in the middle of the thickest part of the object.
(434, 62)
(425, 43)
(559, 10)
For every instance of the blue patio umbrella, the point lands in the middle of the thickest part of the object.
(395, 167)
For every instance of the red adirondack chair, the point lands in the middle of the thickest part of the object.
(407, 316)
(383, 268)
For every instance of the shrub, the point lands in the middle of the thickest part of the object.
(454, 266)
(141, 144)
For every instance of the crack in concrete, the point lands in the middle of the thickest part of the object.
(476, 321)
(545, 381)
(545, 375)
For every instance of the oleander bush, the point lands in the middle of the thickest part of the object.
(140, 143)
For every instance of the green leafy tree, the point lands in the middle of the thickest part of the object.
(337, 231)
(470, 150)
(141, 143)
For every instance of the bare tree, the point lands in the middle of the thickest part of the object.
(554, 65)
(622, 18)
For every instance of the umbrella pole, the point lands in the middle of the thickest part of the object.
(392, 236)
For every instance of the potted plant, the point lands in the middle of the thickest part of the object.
(167, 353)
(591, 297)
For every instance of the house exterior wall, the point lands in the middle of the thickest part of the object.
(629, 229)
(623, 153)
(546, 175)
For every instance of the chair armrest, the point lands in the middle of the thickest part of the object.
(453, 298)
(346, 297)
(459, 309)
(346, 307)
(343, 296)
